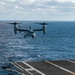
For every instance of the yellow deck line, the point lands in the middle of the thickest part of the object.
(62, 68)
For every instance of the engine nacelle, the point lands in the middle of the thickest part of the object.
(44, 29)
(15, 29)
(33, 34)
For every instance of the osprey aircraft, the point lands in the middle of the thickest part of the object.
(29, 32)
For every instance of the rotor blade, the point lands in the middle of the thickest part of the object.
(42, 23)
(10, 23)
(18, 23)
(14, 23)
(39, 23)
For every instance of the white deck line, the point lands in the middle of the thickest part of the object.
(62, 68)
(17, 67)
(22, 68)
(71, 61)
(34, 68)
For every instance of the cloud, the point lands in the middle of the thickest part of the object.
(63, 1)
(26, 1)
(2, 3)
(36, 7)
(29, 5)
(9, 0)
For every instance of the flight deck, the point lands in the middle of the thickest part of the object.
(57, 67)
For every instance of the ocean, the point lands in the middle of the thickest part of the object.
(57, 44)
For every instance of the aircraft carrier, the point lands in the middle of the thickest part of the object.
(57, 67)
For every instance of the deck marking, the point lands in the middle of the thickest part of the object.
(61, 67)
(23, 68)
(17, 67)
(32, 68)
(71, 61)
(14, 69)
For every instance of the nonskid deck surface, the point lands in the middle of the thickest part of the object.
(60, 67)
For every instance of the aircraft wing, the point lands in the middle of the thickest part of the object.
(37, 29)
(23, 30)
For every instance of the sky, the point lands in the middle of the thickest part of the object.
(48, 10)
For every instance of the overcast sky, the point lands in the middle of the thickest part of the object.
(52, 10)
